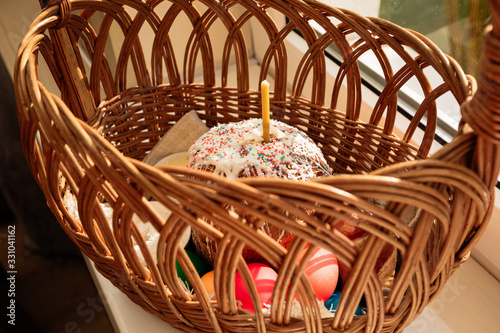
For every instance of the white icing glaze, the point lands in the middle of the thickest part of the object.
(237, 150)
(256, 135)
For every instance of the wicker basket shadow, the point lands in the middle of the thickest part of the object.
(99, 82)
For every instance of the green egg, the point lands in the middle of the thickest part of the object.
(202, 267)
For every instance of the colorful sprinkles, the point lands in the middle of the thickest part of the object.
(237, 150)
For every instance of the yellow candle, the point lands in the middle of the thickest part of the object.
(264, 91)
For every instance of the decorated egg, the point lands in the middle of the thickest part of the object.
(208, 282)
(333, 302)
(201, 266)
(322, 270)
(264, 278)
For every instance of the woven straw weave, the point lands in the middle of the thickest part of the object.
(88, 125)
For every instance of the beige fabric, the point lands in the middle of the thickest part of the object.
(177, 139)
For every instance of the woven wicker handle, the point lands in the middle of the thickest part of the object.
(484, 102)
(495, 16)
(47, 3)
(481, 111)
(79, 94)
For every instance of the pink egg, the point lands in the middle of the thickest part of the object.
(264, 278)
(322, 270)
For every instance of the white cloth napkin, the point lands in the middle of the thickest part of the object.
(177, 139)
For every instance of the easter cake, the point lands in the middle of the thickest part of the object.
(238, 150)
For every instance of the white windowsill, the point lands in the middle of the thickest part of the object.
(469, 302)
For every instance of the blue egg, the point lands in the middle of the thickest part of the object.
(333, 302)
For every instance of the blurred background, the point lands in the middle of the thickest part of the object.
(54, 291)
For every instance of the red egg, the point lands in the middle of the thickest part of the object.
(264, 278)
(322, 270)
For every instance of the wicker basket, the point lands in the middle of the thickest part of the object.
(110, 105)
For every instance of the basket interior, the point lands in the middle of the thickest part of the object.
(135, 127)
